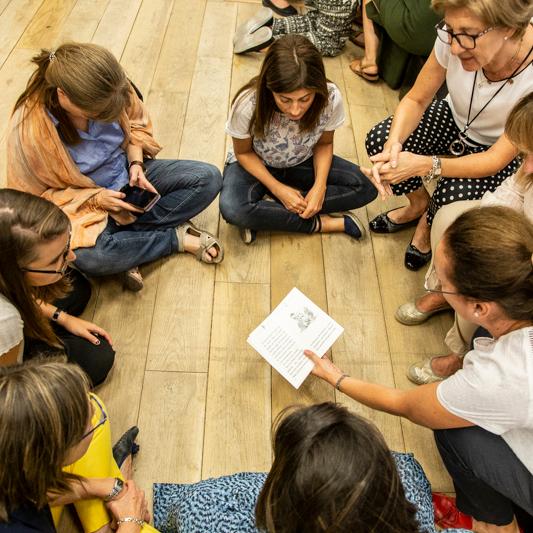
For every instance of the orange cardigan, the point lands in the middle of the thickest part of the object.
(39, 163)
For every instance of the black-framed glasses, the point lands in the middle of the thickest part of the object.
(465, 40)
(64, 264)
(432, 283)
(101, 421)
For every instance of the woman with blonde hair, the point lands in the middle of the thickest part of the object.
(515, 192)
(80, 135)
(482, 415)
(55, 449)
(41, 297)
(484, 52)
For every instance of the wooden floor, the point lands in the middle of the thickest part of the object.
(204, 400)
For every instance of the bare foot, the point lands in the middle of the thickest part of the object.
(446, 365)
(331, 224)
(430, 302)
(127, 467)
(191, 244)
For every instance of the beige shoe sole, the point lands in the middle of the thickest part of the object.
(408, 314)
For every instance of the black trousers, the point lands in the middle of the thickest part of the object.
(491, 483)
(96, 360)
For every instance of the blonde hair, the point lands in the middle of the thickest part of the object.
(88, 74)
(513, 14)
(44, 409)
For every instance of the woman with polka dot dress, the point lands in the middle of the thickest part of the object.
(484, 52)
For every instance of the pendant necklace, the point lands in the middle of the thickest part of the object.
(458, 146)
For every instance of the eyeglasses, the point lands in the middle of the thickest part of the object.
(433, 284)
(64, 264)
(103, 417)
(465, 40)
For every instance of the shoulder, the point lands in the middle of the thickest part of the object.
(11, 326)
(442, 53)
(8, 311)
(245, 101)
(334, 94)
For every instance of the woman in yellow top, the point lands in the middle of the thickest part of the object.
(55, 449)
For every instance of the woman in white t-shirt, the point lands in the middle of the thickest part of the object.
(483, 413)
(40, 296)
(484, 53)
(282, 125)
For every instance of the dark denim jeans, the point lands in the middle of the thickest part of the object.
(242, 204)
(186, 189)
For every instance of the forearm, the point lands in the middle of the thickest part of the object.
(84, 489)
(134, 153)
(474, 165)
(322, 157)
(251, 162)
(407, 116)
(375, 396)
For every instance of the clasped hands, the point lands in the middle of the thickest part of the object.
(295, 202)
(393, 165)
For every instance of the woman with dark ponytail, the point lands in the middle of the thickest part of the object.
(79, 134)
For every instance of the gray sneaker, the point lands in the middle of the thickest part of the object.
(253, 42)
(262, 18)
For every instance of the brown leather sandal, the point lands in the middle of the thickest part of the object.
(357, 66)
(207, 241)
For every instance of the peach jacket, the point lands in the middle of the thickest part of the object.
(39, 163)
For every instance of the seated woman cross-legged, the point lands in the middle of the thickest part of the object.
(484, 52)
(78, 135)
(332, 471)
(40, 296)
(482, 415)
(55, 449)
(282, 124)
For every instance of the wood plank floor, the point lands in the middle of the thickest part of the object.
(204, 400)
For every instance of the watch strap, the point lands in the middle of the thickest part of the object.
(116, 490)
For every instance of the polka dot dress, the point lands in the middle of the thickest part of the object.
(433, 136)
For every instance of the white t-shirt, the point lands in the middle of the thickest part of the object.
(494, 390)
(283, 145)
(489, 125)
(11, 327)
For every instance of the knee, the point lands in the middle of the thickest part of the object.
(104, 358)
(376, 137)
(90, 262)
(211, 178)
(231, 210)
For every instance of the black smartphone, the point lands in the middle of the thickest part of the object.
(140, 198)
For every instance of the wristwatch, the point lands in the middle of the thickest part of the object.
(115, 491)
(436, 170)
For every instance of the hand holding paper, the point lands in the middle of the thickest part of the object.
(295, 324)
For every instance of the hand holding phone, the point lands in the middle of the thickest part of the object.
(142, 199)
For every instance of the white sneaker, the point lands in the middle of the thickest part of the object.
(253, 42)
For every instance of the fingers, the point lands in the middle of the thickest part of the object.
(86, 334)
(312, 355)
(127, 207)
(394, 153)
(102, 333)
(375, 172)
(382, 157)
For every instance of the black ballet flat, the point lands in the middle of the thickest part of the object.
(383, 224)
(285, 12)
(126, 446)
(414, 258)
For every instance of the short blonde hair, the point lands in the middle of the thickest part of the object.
(512, 14)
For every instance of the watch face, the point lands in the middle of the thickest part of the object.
(119, 484)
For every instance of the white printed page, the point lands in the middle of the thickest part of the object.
(295, 324)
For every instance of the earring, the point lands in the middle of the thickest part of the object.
(476, 314)
(505, 38)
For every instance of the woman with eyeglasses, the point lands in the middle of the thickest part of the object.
(55, 449)
(484, 53)
(41, 298)
(515, 192)
(482, 415)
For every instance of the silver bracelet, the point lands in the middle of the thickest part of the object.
(127, 519)
(435, 172)
(339, 381)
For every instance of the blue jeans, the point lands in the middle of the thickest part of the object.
(242, 204)
(186, 189)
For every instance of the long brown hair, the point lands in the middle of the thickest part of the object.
(44, 409)
(490, 258)
(25, 222)
(292, 62)
(332, 472)
(89, 75)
